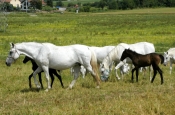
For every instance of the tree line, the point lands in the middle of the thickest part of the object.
(131, 4)
(107, 4)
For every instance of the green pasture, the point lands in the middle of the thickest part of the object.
(93, 29)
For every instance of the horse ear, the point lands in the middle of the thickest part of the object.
(12, 45)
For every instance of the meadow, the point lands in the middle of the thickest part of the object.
(92, 29)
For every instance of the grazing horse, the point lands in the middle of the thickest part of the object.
(140, 60)
(169, 56)
(48, 55)
(115, 55)
(51, 72)
(101, 53)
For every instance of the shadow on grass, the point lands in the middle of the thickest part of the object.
(26, 90)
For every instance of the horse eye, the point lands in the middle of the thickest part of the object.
(11, 53)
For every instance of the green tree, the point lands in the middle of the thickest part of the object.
(59, 3)
(102, 4)
(112, 4)
(50, 3)
(36, 4)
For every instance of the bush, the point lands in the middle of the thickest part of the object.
(47, 8)
(93, 9)
(86, 8)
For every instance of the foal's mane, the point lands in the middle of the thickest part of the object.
(132, 51)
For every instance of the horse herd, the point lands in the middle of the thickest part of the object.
(50, 59)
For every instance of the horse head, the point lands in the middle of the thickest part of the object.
(13, 55)
(124, 54)
(166, 58)
(104, 72)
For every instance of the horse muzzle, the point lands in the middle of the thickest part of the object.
(165, 64)
(8, 64)
(104, 78)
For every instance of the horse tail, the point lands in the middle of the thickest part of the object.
(93, 63)
(162, 58)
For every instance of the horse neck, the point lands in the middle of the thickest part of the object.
(171, 52)
(28, 49)
(108, 60)
(132, 55)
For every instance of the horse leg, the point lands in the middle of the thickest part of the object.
(59, 77)
(121, 72)
(76, 75)
(161, 74)
(137, 74)
(30, 84)
(40, 79)
(94, 74)
(155, 72)
(117, 67)
(39, 69)
(52, 78)
(170, 67)
(132, 77)
(46, 71)
(150, 70)
(116, 74)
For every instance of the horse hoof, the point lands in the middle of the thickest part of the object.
(98, 87)
(70, 87)
(47, 90)
(38, 86)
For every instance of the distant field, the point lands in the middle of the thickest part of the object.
(92, 29)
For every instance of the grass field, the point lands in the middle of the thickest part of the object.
(93, 29)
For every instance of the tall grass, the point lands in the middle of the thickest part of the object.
(94, 29)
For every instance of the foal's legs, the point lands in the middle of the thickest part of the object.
(156, 68)
(40, 80)
(52, 78)
(155, 72)
(132, 77)
(137, 74)
(161, 75)
(58, 76)
(30, 84)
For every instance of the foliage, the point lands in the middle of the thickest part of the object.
(36, 4)
(50, 3)
(102, 3)
(59, 3)
(47, 8)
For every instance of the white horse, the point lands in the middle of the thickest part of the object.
(115, 55)
(169, 56)
(47, 55)
(101, 53)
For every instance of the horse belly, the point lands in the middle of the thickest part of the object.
(61, 62)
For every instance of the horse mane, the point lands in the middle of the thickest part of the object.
(132, 51)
